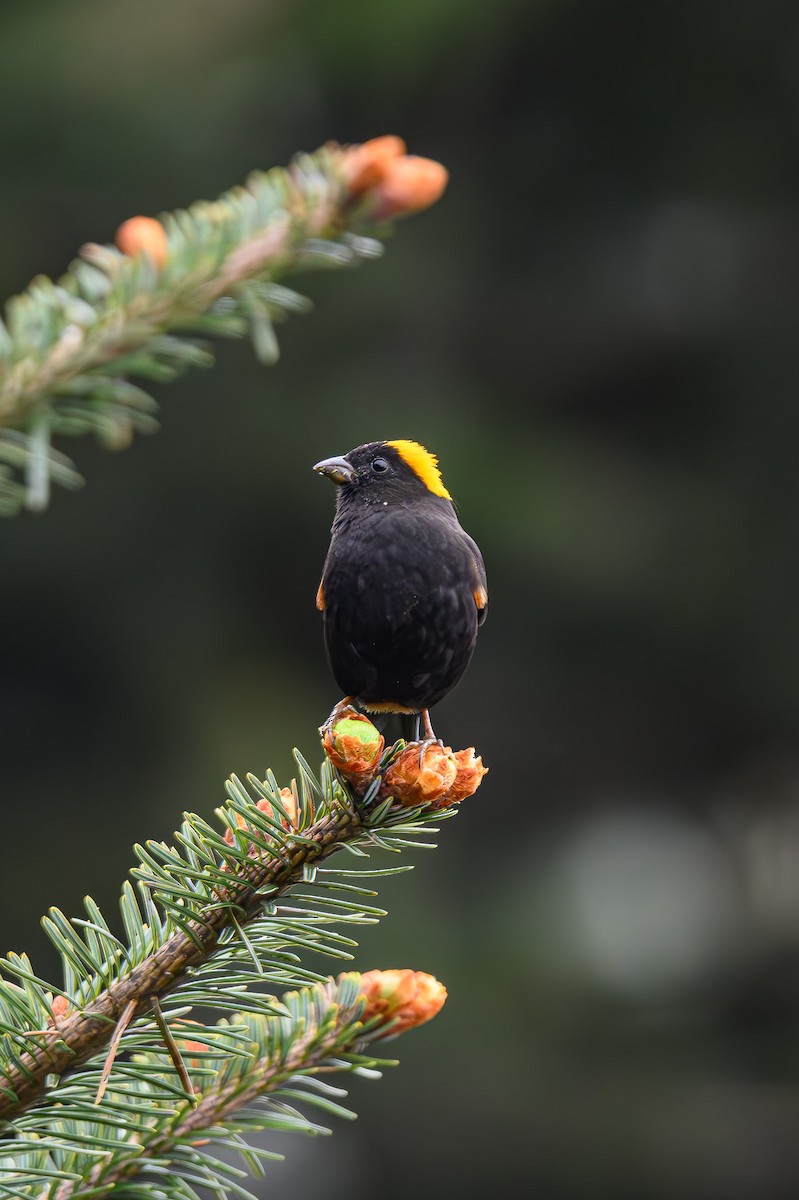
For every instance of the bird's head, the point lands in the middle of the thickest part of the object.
(386, 472)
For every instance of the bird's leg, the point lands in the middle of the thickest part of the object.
(429, 738)
(336, 712)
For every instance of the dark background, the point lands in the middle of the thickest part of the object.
(596, 331)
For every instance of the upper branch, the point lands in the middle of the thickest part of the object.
(68, 348)
(110, 303)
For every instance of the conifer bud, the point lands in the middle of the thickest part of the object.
(143, 235)
(406, 998)
(191, 1047)
(414, 778)
(241, 821)
(409, 184)
(469, 772)
(366, 165)
(60, 1007)
(353, 745)
(287, 799)
(289, 802)
(399, 183)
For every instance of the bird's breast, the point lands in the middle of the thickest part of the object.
(392, 549)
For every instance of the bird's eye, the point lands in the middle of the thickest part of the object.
(379, 465)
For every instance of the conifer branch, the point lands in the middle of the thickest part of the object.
(219, 919)
(68, 349)
(334, 1037)
(149, 1139)
(210, 918)
(86, 1032)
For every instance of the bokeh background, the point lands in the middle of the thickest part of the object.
(596, 330)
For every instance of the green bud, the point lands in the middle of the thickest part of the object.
(364, 731)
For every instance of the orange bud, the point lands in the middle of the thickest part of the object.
(406, 998)
(143, 235)
(366, 165)
(286, 799)
(289, 802)
(353, 745)
(190, 1048)
(60, 1009)
(413, 779)
(408, 185)
(241, 821)
(469, 772)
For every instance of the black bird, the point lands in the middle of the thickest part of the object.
(403, 589)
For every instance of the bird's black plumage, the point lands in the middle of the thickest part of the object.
(404, 587)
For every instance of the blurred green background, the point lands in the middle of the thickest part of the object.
(596, 331)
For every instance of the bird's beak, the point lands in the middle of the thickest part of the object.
(337, 469)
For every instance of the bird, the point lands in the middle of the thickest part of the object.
(403, 589)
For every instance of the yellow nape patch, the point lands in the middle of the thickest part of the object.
(424, 464)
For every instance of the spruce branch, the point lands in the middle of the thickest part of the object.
(171, 1143)
(216, 921)
(69, 349)
(197, 906)
(218, 918)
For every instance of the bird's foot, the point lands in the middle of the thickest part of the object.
(425, 745)
(336, 713)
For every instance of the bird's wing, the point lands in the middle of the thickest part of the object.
(480, 592)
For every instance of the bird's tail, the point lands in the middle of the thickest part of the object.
(410, 724)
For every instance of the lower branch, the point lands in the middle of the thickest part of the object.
(82, 1034)
(339, 1020)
